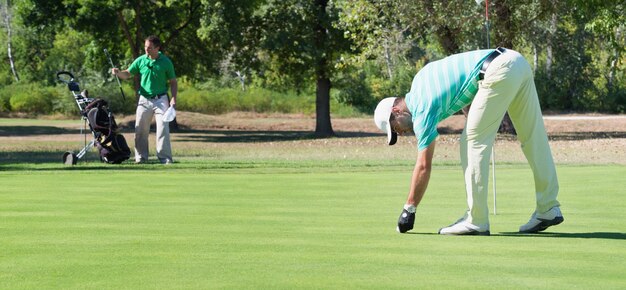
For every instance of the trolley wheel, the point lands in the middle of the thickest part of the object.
(69, 158)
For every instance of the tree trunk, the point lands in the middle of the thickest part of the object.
(503, 25)
(135, 45)
(614, 61)
(7, 22)
(504, 37)
(549, 54)
(388, 61)
(535, 59)
(323, 126)
(446, 37)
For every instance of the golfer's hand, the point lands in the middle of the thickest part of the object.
(406, 221)
(115, 71)
(173, 102)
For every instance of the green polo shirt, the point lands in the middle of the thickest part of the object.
(440, 89)
(155, 74)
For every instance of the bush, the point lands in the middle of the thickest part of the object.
(30, 98)
(36, 99)
(111, 93)
(224, 100)
(5, 100)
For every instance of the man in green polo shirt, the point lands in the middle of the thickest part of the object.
(493, 82)
(157, 75)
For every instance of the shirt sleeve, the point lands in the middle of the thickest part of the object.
(133, 69)
(425, 128)
(169, 72)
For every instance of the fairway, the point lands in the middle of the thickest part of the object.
(293, 227)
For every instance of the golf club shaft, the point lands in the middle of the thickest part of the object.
(116, 78)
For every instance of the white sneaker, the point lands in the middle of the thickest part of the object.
(462, 227)
(540, 222)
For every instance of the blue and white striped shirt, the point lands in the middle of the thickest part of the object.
(440, 89)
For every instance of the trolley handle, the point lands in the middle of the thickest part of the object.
(61, 73)
(72, 85)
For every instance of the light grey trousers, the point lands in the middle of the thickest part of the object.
(508, 86)
(146, 109)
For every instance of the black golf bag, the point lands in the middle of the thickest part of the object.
(111, 145)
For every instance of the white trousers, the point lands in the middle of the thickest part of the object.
(146, 109)
(508, 85)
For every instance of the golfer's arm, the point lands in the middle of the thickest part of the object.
(174, 88)
(421, 175)
(123, 74)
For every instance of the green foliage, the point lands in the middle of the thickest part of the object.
(353, 89)
(30, 98)
(5, 100)
(368, 49)
(224, 100)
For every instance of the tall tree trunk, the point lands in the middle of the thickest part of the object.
(535, 58)
(504, 37)
(503, 25)
(323, 126)
(446, 37)
(549, 54)
(7, 21)
(388, 60)
(134, 44)
(616, 57)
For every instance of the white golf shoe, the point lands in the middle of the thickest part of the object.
(540, 222)
(462, 227)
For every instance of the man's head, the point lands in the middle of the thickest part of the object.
(152, 45)
(392, 117)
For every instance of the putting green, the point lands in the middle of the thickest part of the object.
(200, 226)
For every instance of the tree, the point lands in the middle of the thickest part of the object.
(303, 45)
(122, 25)
(232, 31)
(7, 20)
(137, 19)
(608, 23)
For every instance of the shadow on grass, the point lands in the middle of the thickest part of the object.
(591, 235)
(239, 136)
(557, 136)
(31, 157)
(33, 162)
(6, 131)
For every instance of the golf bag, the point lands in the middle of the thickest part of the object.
(111, 145)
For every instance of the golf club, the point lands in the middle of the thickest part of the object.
(116, 78)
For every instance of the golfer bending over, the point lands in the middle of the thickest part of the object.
(493, 81)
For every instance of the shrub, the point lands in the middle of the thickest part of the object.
(220, 101)
(31, 99)
(5, 100)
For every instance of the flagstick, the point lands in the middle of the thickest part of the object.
(493, 148)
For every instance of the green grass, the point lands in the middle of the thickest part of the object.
(266, 210)
(293, 225)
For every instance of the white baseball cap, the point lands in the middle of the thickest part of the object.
(381, 118)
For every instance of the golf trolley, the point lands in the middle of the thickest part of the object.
(95, 112)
